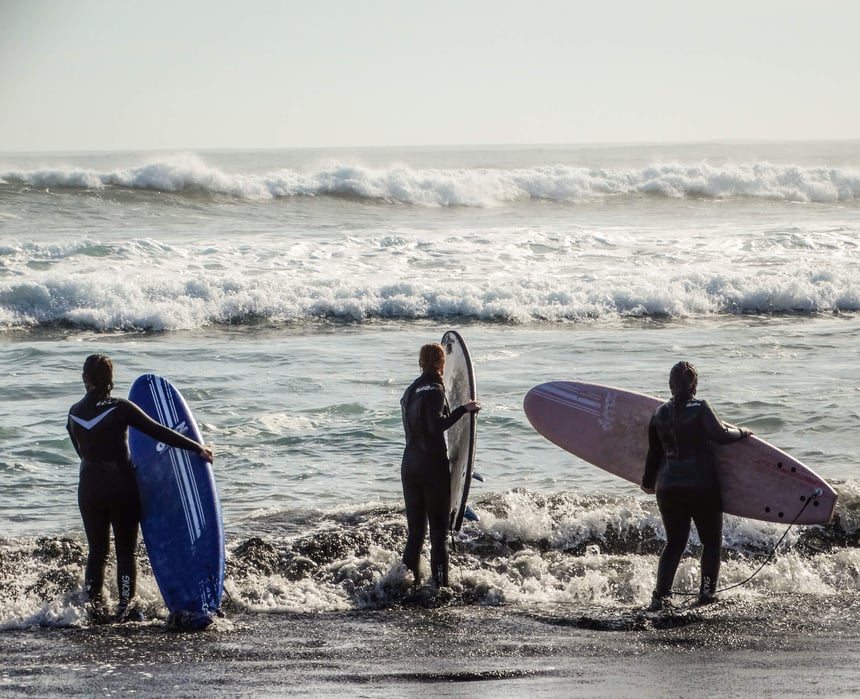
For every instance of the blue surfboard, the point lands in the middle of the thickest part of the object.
(180, 510)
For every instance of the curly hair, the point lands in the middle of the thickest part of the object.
(432, 358)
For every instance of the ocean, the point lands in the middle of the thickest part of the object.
(287, 293)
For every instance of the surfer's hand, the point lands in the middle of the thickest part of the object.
(472, 406)
(745, 432)
(206, 454)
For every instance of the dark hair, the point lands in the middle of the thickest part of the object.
(432, 358)
(683, 381)
(98, 373)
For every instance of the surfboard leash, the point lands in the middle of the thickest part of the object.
(453, 551)
(816, 493)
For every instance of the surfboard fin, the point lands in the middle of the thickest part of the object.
(471, 515)
(477, 476)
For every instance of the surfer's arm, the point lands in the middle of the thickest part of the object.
(718, 431)
(141, 421)
(437, 419)
(653, 459)
(72, 437)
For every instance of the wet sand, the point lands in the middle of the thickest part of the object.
(736, 648)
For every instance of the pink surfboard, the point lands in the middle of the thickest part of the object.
(608, 427)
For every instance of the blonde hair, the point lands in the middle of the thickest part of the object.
(432, 358)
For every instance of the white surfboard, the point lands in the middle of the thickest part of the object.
(459, 380)
(608, 427)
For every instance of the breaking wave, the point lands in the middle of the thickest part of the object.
(471, 187)
(527, 549)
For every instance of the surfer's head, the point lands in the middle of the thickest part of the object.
(98, 374)
(432, 358)
(683, 380)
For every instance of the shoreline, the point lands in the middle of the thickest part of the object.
(454, 651)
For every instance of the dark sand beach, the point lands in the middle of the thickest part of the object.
(734, 648)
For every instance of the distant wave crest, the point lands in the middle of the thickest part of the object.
(477, 187)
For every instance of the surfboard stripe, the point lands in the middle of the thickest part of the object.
(194, 515)
(583, 402)
(167, 415)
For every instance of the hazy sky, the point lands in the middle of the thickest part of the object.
(185, 74)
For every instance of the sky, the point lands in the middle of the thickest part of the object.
(87, 75)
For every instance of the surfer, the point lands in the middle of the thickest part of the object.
(424, 470)
(680, 468)
(107, 490)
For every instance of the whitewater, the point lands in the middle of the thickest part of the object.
(188, 242)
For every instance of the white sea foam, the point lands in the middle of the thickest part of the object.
(508, 274)
(530, 549)
(170, 304)
(478, 187)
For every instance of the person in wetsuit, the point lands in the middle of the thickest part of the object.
(424, 471)
(107, 490)
(680, 468)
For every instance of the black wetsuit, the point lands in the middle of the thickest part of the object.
(425, 474)
(681, 465)
(107, 490)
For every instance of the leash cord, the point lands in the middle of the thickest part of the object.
(453, 551)
(770, 556)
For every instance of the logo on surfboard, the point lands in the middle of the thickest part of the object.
(182, 428)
